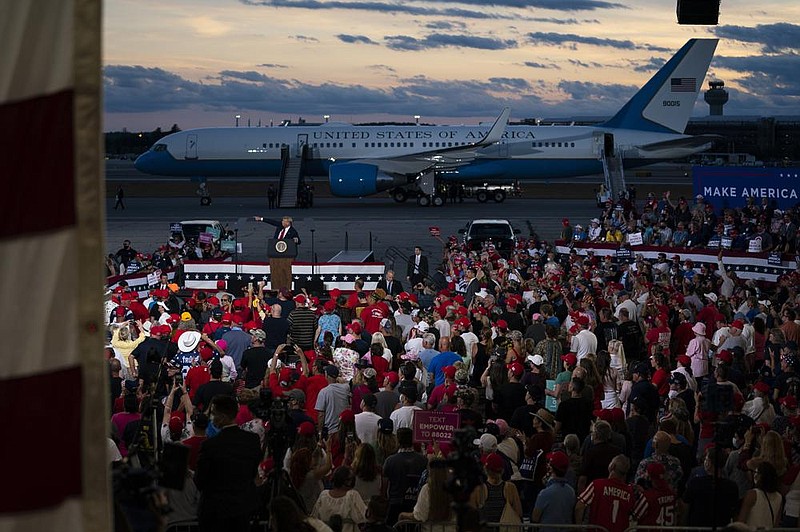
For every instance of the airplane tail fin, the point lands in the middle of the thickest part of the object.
(665, 103)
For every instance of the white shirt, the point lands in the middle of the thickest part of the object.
(584, 343)
(367, 426)
(443, 326)
(403, 417)
(405, 322)
(633, 313)
(470, 340)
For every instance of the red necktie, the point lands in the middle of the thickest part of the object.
(282, 234)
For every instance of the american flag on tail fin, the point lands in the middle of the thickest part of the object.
(682, 84)
(50, 266)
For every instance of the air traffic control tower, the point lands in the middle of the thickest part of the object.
(716, 97)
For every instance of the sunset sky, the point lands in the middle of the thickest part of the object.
(201, 62)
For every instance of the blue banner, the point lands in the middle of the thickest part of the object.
(731, 186)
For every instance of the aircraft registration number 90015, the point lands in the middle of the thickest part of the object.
(671, 103)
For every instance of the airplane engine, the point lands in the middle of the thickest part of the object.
(361, 179)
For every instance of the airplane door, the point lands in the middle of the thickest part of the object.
(191, 146)
(302, 140)
(502, 149)
(608, 144)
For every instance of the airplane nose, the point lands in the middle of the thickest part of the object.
(144, 162)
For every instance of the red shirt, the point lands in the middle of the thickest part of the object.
(381, 366)
(314, 384)
(140, 312)
(610, 503)
(659, 336)
(681, 337)
(372, 316)
(194, 443)
(196, 377)
(661, 381)
(657, 507)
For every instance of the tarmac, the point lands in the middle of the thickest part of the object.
(335, 224)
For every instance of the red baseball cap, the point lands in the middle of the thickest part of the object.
(300, 298)
(227, 317)
(494, 462)
(449, 371)
(306, 428)
(393, 377)
(684, 360)
(558, 460)
(347, 416)
(502, 324)
(725, 356)
(761, 386)
(175, 424)
(516, 368)
(570, 358)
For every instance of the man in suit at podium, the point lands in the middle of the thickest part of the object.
(283, 228)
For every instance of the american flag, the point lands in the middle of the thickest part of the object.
(50, 123)
(682, 84)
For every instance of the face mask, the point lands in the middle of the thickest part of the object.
(673, 394)
(736, 442)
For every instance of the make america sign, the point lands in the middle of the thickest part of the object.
(731, 186)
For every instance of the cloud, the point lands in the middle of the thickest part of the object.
(572, 39)
(648, 65)
(442, 7)
(766, 75)
(533, 64)
(445, 25)
(773, 38)
(355, 39)
(764, 86)
(582, 64)
(441, 40)
(272, 65)
(384, 68)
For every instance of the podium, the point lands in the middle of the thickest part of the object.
(281, 254)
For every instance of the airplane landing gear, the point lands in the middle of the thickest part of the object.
(482, 196)
(499, 195)
(423, 200)
(438, 201)
(399, 195)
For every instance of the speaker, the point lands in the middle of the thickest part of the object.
(700, 12)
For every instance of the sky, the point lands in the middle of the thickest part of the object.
(198, 63)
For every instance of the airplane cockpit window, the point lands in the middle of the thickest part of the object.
(160, 147)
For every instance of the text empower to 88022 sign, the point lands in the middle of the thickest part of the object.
(435, 426)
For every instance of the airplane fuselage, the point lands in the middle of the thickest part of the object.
(525, 152)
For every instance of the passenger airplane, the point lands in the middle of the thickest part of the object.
(364, 160)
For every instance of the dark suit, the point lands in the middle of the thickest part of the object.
(473, 287)
(423, 269)
(291, 232)
(226, 470)
(395, 289)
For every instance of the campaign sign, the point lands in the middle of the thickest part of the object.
(624, 254)
(206, 238)
(228, 245)
(435, 231)
(731, 186)
(434, 426)
(213, 231)
(175, 228)
(774, 258)
(635, 239)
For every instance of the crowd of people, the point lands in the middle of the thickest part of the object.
(754, 227)
(600, 392)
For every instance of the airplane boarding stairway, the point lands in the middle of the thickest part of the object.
(614, 173)
(291, 180)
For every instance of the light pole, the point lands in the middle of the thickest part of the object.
(326, 117)
(237, 117)
(416, 119)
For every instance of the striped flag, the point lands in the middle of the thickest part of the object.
(52, 375)
(682, 84)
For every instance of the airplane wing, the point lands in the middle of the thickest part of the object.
(686, 142)
(441, 158)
